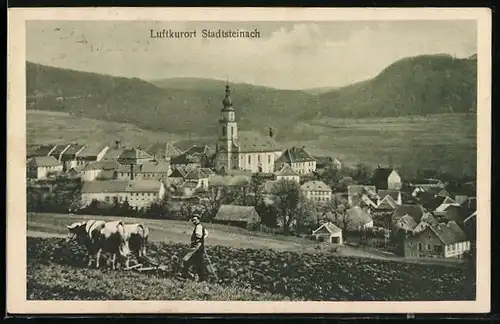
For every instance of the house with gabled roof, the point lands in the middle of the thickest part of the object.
(299, 159)
(40, 150)
(287, 173)
(69, 156)
(425, 221)
(356, 218)
(328, 232)
(103, 169)
(406, 223)
(414, 211)
(235, 215)
(58, 151)
(394, 194)
(195, 157)
(163, 151)
(355, 194)
(91, 153)
(386, 178)
(439, 241)
(316, 190)
(40, 167)
(197, 176)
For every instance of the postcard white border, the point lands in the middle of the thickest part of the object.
(16, 149)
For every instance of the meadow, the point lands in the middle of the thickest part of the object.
(443, 142)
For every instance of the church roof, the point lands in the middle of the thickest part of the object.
(295, 155)
(252, 142)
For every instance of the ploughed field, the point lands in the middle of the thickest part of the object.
(57, 270)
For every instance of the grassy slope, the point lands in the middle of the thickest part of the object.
(174, 231)
(445, 141)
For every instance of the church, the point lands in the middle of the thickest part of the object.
(242, 150)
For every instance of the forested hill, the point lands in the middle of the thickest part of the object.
(412, 86)
(429, 84)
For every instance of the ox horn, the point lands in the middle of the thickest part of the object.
(72, 226)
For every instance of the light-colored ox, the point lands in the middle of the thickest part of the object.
(100, 236)
(137, 237)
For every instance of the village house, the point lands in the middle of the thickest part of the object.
(40, 167)
(134, 156)
(242, 150)
(438, 205)
(425, 221)
(287, 173)
(299, 159)
(406, 224)
(395, 195)
(58, 151)
(328, 232)
(147, 170)
(194, 157)
(355, 219)
(187, 188)
(316, 191)
(69, 156)
(441, 241)
(358, 193)
(323, 162)
(163, 151)
(235, 215)
(386, 178)
(198, 177)
(91, 153)
(414, 211)
(100, 170)
(176, 177)
(138, 193)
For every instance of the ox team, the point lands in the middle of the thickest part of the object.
(120, 240)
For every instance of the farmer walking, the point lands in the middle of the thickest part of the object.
(197, 253)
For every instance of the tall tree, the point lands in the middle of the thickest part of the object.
(286, 196)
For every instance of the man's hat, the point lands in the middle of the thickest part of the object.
(196, 216)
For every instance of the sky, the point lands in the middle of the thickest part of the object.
(288, 55)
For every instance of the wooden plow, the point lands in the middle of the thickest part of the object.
(146, 263)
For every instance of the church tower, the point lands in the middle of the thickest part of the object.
(227, 149)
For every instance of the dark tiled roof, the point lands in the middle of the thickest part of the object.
(163, 150)
(435, 203)
(353, 190)
(133, 154)
(118, 186)
(287, 170)
(102, 165)
(387, 203)
(394, 194)
(315, 185)
(72, 150)
(113, 154)
(112, 186)
(147, 167)
(58, 150)
(449, 233)
(295, 155)
(407, 223)
(415, 211)
(254, 142)
(356, 216)
(237, 213)
(381, 174)
(195, 154)
(92, 150)
(196, 174)
(43, 150)
(43, 161)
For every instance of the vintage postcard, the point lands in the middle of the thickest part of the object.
(248, 160)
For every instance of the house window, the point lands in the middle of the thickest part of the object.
(420, 246)
(269, 159)
(223, 131)
(249, 159)
(258, 157)
(428, 247)
(438, 248)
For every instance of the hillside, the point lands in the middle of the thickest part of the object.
(413, 86)
(428, 84)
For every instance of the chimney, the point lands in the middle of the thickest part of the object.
(131, 172)
(303, 146)
(117, 144)
(271, 133)
(378, 166)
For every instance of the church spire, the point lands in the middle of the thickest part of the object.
(227, 103)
